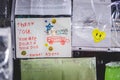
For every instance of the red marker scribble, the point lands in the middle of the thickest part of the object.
(25, 24)
(30, 38)
(56, 39)
(24, 31)
(48, 54)
(35, 54)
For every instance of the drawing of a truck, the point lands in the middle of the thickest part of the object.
(56, 39)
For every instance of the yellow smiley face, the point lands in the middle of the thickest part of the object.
(23, 53)
(46, 44)
(53, 21)
(50, 48)
(98, 35)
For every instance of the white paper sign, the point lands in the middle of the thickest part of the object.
(89, 15)
(43, 7)
(59, 69)
(43, 37)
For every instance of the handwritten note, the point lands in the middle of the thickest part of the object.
(84, 24)
(43, 7)
(58, 69)
(43, 37)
